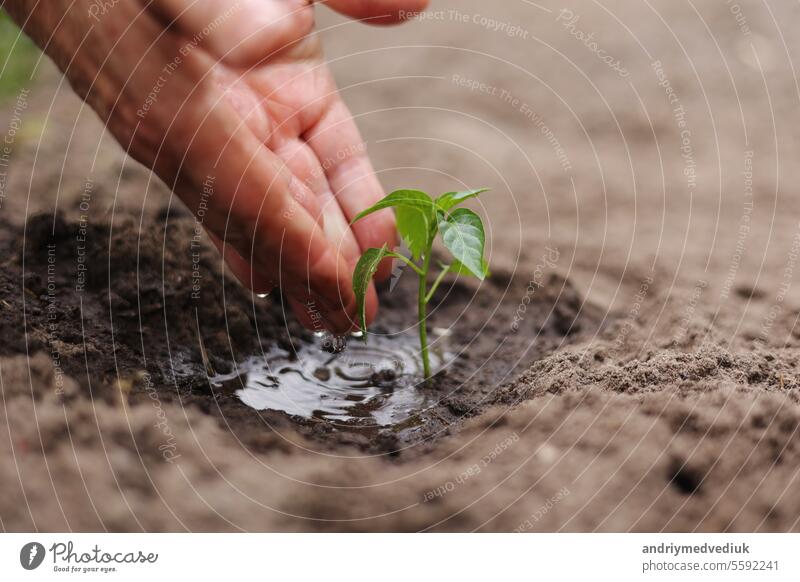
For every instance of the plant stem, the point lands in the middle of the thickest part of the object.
(435, 285)
(423, 332)
(407, 261)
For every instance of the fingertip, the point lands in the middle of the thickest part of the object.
(411, 9)
(377, 229)
(380, 11)
(304, 316)
(329, 275)
(313, 315)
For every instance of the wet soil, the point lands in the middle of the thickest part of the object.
(175, 317)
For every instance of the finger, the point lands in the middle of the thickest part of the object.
(303, 163)
(337, 143)
(255, 204)
(379, 11)
(314, 317)
(304, 166)
(244, 32)
(308, 315)
(241, 268)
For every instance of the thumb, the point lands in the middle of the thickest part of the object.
(379, 11)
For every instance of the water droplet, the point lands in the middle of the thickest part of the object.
(333, 344)
(262, 295)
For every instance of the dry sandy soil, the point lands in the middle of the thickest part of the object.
(644, 377)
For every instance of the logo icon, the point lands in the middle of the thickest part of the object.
(31, 555)
(399, 266)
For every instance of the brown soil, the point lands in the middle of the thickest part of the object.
(643, 377)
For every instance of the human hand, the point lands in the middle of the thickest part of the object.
(231, 104)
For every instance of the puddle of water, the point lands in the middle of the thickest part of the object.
(374, 384)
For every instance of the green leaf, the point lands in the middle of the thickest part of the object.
(448, 200)
(362, 275)
(414, 227)
(458, 268)
(462, 234)
(405, 198)
(415, 212)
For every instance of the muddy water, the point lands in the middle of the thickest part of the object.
(367, 384)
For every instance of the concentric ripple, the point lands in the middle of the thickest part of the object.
(374, 384)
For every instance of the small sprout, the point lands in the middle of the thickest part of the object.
(419, 219)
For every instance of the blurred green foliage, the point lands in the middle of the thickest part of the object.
(18, 57)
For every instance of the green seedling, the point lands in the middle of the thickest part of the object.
(419, 219)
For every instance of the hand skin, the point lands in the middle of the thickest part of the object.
(235, 94)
